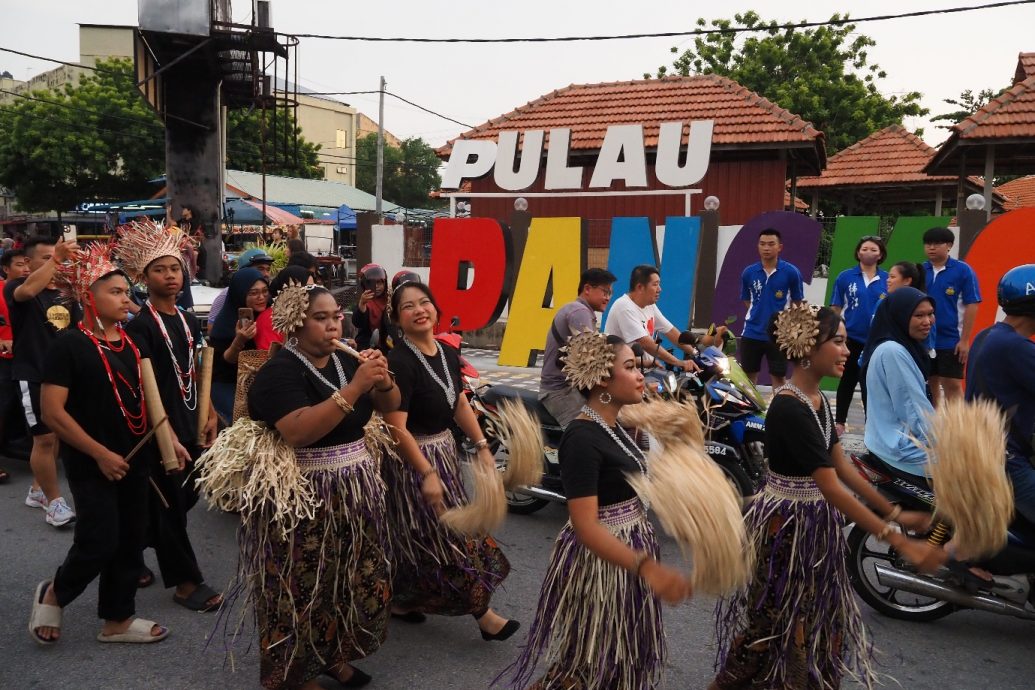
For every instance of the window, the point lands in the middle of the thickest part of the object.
(341, 139)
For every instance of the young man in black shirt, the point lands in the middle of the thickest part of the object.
(153, 255)
(37, 317)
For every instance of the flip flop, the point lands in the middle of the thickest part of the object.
(43, 615)
(138, 632)
(199, 598)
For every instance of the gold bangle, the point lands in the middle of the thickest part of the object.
(342, 403)
(480, 444)
(895, 512)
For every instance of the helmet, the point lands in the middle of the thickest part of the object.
(405, 277)
(370, 274)
(250, 257)
(1016, 291)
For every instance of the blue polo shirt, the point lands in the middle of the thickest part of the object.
(768, 294)
(952, 289)
(858, 300)
(1001, 367)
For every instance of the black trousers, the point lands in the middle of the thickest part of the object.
(846, 388)
(109, 536)
(167, 527)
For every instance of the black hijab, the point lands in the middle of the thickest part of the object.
(891, 322)
(225, 327)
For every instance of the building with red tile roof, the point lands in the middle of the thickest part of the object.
(1025, 67)
(1019, 193)
(756, 146)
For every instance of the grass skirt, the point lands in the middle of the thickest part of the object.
(322, 591)
(598, 625)
(438, 571)
(797, 625)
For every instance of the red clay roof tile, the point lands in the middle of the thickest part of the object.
(1009, 115)
(1019, 193)
(1025, 67)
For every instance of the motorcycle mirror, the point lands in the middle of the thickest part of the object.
(454, 322)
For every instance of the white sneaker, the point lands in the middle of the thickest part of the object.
(59, 514)
(36, 499)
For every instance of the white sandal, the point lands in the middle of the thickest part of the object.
(138, 632)
(43, 615)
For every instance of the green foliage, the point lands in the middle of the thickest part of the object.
(410, 170)
(245, 137)
(278, 251)
(822, 74)
(967, 103)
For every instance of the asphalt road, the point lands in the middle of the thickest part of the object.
(965, 650)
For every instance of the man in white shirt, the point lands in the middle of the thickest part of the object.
(635, 318)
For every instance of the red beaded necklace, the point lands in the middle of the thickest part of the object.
(137, 423)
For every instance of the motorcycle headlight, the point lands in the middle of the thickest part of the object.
(724, 365)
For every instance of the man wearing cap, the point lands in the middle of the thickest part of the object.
(251, 258)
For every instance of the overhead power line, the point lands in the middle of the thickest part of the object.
(668, 34)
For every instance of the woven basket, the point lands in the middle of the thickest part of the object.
(248, 364)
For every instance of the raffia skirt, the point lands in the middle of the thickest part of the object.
(436, 570)
(322, 591)
(598, 625)
(797, 625)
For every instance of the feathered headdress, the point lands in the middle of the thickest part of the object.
(88, 265)
(588, 359)
(142, 241)
(290, 306)
(797, 329)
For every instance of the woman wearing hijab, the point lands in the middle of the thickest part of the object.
(265, 333)
(895, 367)
(230, 335)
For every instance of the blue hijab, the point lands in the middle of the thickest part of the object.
(891, 322)
(225, 327)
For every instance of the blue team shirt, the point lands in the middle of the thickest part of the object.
(858, 300)
(1002, 367)
(952, 290)
(768, 294)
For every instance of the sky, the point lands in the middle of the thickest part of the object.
(939, 56)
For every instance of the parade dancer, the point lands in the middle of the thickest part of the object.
(598, 621)
(93, 399)
(321, 586)
(153, 255)
(437, 571)
(798, 625)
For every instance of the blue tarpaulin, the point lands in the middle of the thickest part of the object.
(346, 218)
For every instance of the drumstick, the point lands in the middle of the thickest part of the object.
(136, 448)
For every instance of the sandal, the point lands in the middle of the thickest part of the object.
(43, 615)
(138, 632)
(962, 573)
(146, 578)
(4, 476)
(357, 680)
(199, 598)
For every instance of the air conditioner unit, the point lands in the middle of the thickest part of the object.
(341, 170)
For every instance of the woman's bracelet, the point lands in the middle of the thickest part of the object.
(895, 512)
(428, 472)
(641, 558)
(385, 390)
(884, 533)
(342, 403)
(481, 444)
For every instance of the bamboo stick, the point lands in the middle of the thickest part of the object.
(156, 413)
(204, 369)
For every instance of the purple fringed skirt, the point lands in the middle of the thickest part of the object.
(598, 625)
(437, 571)
(322, 592)
(797, 625)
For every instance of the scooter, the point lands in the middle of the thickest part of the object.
(893, 587)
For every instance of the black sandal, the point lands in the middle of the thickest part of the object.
(199, 598)
(357, 680)
(145, 578)
(968, 580)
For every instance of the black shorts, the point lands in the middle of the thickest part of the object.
(751, 353)
(30, 391)
(946, 364)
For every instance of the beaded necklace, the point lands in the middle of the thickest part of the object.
(316, 372)
(637, 456)
(447, 385)
(187, 381)
(824, 405)
(137, 423)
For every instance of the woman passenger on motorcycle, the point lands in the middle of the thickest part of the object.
(798, 624)
(437, 571)
(598, 620)
(895, 364)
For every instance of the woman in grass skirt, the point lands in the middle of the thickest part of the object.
(797, 625)
(598, 620)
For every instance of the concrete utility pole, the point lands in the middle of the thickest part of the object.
(380, 152)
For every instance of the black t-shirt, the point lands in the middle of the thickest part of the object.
(36, 323)
(144, 330)
(592, 465)
(793, 441)
(223, 370)
(73, 362)
(284, 384)
(424, 401)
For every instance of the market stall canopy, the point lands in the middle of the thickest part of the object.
(249, 211)
(346, 218)
(301, 192)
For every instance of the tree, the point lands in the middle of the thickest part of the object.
(244, 144)
(967, 103)
(410, 170)
(822, 74)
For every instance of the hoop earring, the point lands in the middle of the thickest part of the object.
(806, 363)
(605, 398)
(292, 342)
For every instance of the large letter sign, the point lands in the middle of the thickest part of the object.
(1007, 241)
(550, 269)
(460, 245)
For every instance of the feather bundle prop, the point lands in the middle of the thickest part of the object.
(797, 329)
(486, 511)
(518, 431)
(691, 497)
(968, 474)
(250, 468)
(587, 359)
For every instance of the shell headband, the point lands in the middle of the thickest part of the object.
(290, 306)
(588, 359)
(797, 328)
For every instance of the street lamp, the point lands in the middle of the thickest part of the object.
(521, 204)
(711, 203)
(976, 202)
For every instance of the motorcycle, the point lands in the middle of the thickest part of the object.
(890, 585)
